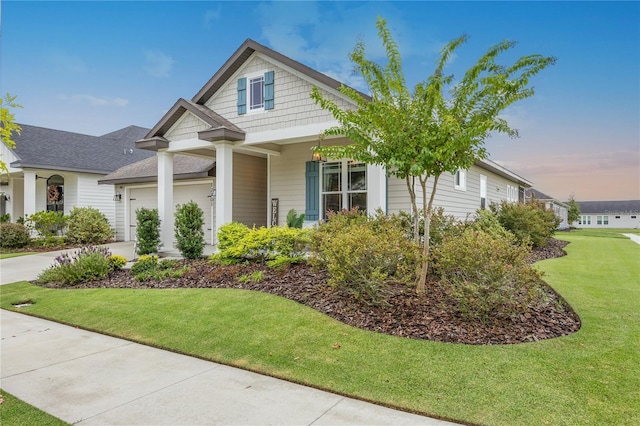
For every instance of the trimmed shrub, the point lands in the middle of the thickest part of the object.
(46, 223)
(149, 268)
(147, 231)
(362, 255)
(230, 234)
(13, 235)
(88, 225)
(116, 262)
(86, 264)
(532, 223)
(487, 275)
(188, 228)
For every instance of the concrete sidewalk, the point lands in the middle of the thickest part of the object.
(88, 378)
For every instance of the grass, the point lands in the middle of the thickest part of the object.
(589, 378)
(16, 412)
(10, 255)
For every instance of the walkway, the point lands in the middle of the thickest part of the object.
(634, 238)
(87, 378)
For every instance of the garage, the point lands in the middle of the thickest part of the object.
(183, 192)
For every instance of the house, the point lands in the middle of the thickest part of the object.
(242, 148)
(561, 209)
(609, 214)
(56, 170)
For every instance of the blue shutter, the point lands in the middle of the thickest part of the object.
(242, 96)
(312, 178)
(268, 90)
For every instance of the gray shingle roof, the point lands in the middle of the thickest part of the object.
(610, 207)
(184, 167)
(39, 147)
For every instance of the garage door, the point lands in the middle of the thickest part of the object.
(148, 198)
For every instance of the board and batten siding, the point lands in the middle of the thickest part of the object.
(187, 127)
(249, 190)
(292, 103)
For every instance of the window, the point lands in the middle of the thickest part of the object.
(584, 220)
(55, 194)
(483, 192)
(617, 217)
(460, 180)
(512, 194)
(634, 217)
(335, 194)
(602, 220)
(256, 90)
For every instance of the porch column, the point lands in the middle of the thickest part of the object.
(224, 184)
(165, 198)
(29, 193)
(376, 188)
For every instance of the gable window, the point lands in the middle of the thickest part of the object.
(460, 180)
(257, 92)
(55, 194)
(344, 185)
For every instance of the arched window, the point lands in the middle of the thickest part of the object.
(55, 194)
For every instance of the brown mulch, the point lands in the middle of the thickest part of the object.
(407, 314)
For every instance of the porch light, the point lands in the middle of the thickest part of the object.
(316, 156)
(117, 197)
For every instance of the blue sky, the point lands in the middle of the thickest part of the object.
(94, 67)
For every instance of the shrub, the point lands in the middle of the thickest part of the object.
(362, 255)
(487, 274)
(49, 241)
(144, 263)
(440, 225)
(532, 223)
(85, 264)
(116, 262)
(147, 231)
(230, 234)
(188, 229)
(13, 235)
(46, 223)
(149, 268)
(88, 225)
(5, 218)
(487, 221)
(278, 244)
(293, 220)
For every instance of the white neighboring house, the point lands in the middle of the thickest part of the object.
(561, 209)
(252, 127)
(609, 214)
(57, 170)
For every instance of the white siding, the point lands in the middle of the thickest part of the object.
(249, 190)
(292, 106)
(90, 194)
(187, 127)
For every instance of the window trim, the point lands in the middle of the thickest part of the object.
(460, 180)
(345, 183)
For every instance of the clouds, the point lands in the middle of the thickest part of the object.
(94, 100)
(210, 16)
(157, 63)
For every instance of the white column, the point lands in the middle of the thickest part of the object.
(376, 188)
(29, 193)
(224, 184)
(165, 199)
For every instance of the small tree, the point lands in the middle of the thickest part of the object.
(421, 135)
(147, 230)
(188, 228)
(8, 125)
(573, 213)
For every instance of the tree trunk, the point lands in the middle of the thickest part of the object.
(421, 286)
(411, 187)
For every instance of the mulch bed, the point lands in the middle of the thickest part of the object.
(428, 316)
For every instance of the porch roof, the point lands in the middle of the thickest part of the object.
(184, 167)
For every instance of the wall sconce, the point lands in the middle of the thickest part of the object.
(6, 197)
(117, 197)
(316, 156)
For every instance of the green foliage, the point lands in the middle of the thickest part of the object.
(116, 262)
(293, 220)
(254, 277)
(362, 255)
(440, 225)
(46, 223)
(188, 228)
(88, 225)
(86, 264)
(5, 218)
(487, 221)
(8, 125)
(147, 231)
(149, 268)
(13, 235)
(486, 275)
(573, 213)
(49, 241)
(422, 134)
(266, 244)
(230, 234)
(532, 223)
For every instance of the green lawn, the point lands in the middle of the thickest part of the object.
(10, 255)
(589, 378)
(15, 412)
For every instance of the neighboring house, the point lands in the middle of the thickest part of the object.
(252, 126)
(57, 170)
(609, 214)
(561, 209)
